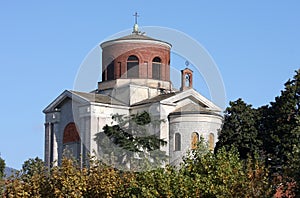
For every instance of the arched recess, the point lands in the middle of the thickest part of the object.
(177, 142)
(132, 67)
(187, 80)
(194, 140)
(156, 68)
(111, 70)
(71, 141)
(108, 72)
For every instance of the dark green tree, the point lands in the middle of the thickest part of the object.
(273, 131)
(281, 131)
(283, 119)
(240, 129)
(134, 139)
(2, 167)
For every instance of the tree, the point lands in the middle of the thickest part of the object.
(224, 174)
(33, 166)
(2, 167)
(133, 141)
(240, 129)
(203, 174)
(281, 132)
(273, 131)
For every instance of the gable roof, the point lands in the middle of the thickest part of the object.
(193, 109)
(200, 103)
(154, 99)
(196, 97)
(81, 97)
(99, 98)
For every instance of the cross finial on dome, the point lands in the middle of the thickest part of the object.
(135, 26)
(136, 16)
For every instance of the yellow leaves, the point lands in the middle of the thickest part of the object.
(221, 175)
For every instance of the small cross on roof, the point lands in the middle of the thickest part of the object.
(136, 16)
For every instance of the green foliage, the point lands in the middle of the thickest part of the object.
(237, 168)
(280, 129)
(258, 179)
(282, 132)
(2, 167)
(133, 140)
(224, 174)
(271, 131)
(32, 167)
(214, 175)
(240, 129)
(31, 181)
(202, 174)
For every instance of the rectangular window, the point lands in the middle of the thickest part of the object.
(120, 70)
(156, 70)
(177, 142)
(132, 70)
(111, 71)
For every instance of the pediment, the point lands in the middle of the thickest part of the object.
(82, 98)
(191, 96)
(62, 98)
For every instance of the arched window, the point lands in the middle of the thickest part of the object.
(71, 141)
(177, 142)
(111, 71)
(194, 140)
(211, 141)
(132, 67)
(156, 67)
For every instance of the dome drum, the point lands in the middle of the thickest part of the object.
(135, 59)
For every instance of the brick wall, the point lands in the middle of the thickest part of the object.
(145, 51)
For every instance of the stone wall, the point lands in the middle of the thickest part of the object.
(185, 125)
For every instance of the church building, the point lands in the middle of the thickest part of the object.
(135, 78)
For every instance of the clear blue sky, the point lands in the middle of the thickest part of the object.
(256, 45)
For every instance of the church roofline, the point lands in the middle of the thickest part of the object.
(191, 92)
(174, 97)
(154, 99)
(82, 97)
(196, 112)
(194, 109)
(99, 98)
(58, 100)
(140, 38)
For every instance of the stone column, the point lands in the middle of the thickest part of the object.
(55, 132)
(48, 153)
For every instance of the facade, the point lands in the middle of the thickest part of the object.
(135, 78)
